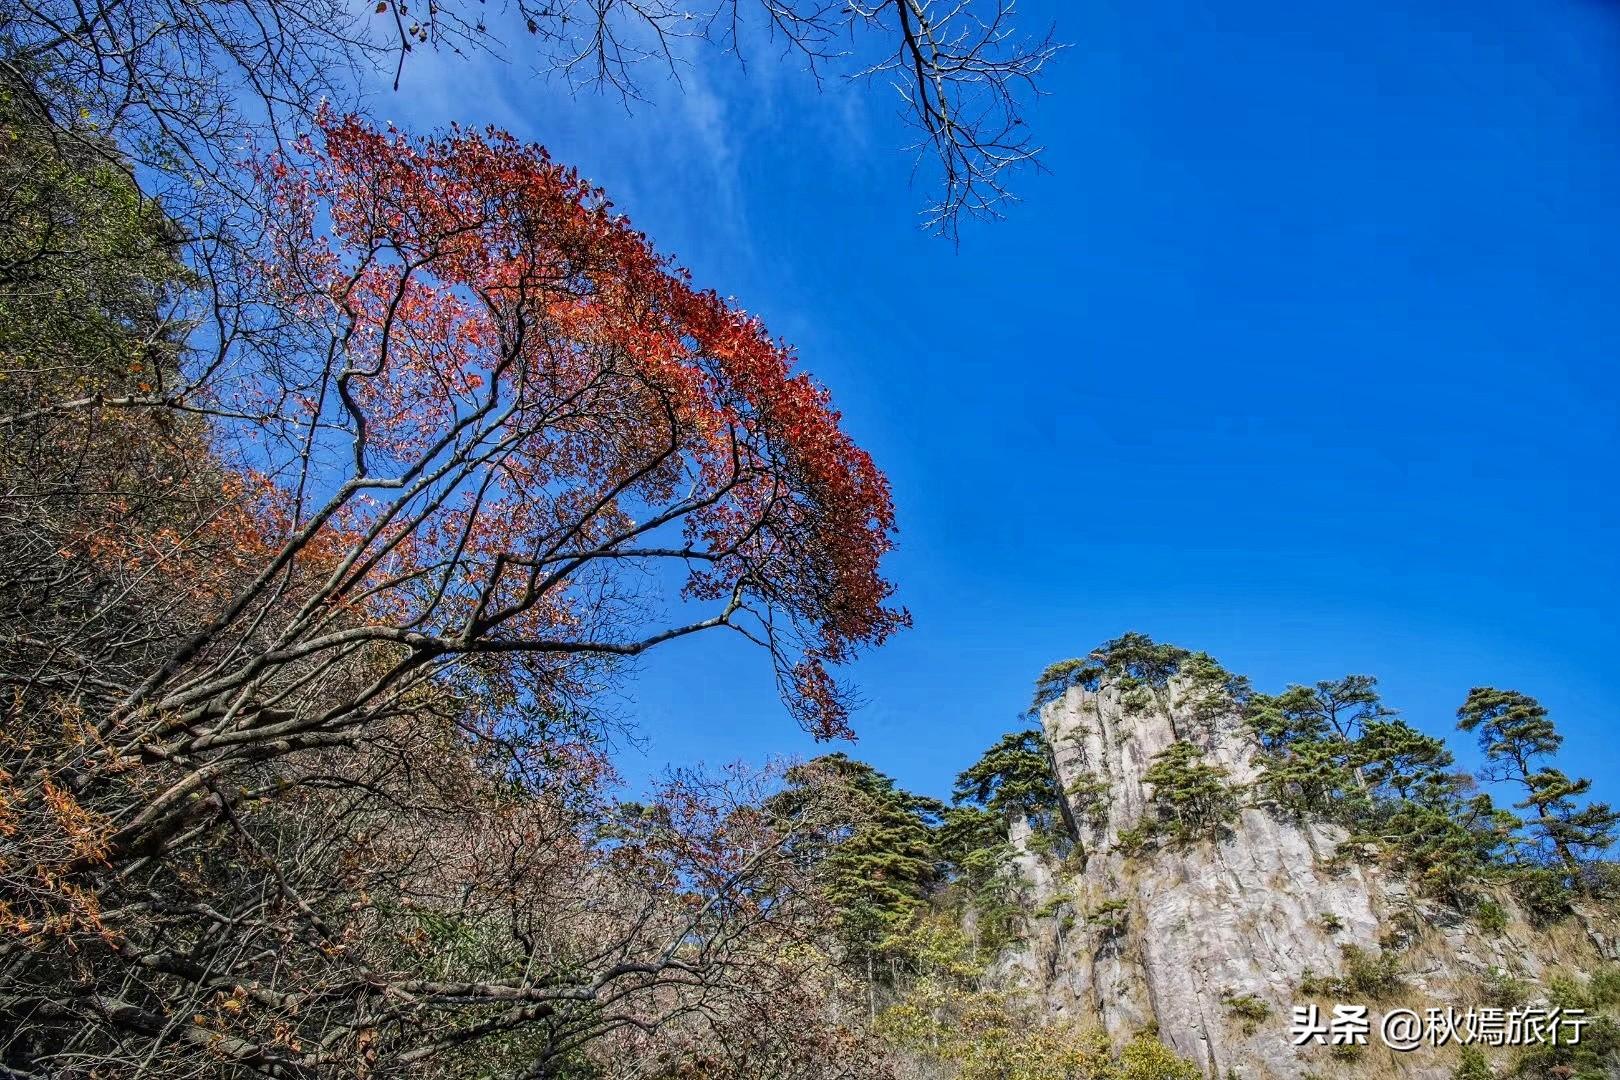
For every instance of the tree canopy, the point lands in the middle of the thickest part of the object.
(1517, 737)
(308, 615)
(1013, 777)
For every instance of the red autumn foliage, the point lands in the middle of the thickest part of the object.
(299, 772)
(513, 399)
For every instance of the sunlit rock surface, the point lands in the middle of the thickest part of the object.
(1169, 937)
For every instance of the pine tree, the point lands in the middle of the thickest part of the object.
(1312, 777)
(1517, 736)
(1130, 660)
(966, 830)
(1193, 798)
(1402, 763)
(1013, 779)
(1211, 691)
(1447, 847)
(1333, 714)
(875, 844)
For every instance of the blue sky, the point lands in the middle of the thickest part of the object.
(1303, 353)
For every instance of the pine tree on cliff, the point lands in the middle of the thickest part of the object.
(1193, 797)
(1334, 715)
(1517, 736)
(1013, 779)
(1401, 763)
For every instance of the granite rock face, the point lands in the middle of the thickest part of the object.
(1172, 937)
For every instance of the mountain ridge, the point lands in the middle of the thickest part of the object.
(1210, 936)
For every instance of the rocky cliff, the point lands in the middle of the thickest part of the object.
(1214, 942)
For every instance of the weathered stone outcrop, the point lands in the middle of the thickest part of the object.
(1172, 937)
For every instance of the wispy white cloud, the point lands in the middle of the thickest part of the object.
(675, 160)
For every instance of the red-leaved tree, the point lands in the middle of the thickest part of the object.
(304, 607)
(496, 428)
